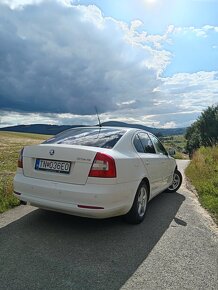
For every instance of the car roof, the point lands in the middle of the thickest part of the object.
(128, 129)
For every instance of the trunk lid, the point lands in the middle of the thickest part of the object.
(80, 158)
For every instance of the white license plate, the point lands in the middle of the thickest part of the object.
(53, 165)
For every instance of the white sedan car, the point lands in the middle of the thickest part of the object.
(96, 172)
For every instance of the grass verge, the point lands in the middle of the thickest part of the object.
(10, 145)
(203, 174)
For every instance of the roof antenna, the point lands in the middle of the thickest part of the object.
(99, 121)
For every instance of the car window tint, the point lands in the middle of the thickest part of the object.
(138, 144)
(158, 145)
(146, 143)
(96, 137)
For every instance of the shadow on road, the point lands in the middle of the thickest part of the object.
(48, 250)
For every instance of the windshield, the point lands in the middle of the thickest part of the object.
(95, 137)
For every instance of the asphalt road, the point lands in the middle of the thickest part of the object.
(174, 248)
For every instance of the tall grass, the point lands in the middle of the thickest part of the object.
(7, 200)
(203, 173)
(10, 146)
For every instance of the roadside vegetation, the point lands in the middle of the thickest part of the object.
(203, 132)
(203, 174)
(10, 146)
(202, 146)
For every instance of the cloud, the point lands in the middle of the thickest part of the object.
(137, 116)
(11, 118)
(19, 4)
(199, 32)
(198, 89)
(69, 58)
(133, 35)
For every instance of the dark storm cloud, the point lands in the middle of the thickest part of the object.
(60, 59)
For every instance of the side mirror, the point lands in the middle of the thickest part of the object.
(172, 152)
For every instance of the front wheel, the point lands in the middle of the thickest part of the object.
(137, 212)
(177, 181)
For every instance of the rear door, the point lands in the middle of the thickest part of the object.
(166, 166)
(151, 160)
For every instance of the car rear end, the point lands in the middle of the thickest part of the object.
(68, 174)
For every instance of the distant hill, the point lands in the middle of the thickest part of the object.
(55, 129)
(39, 128)
(155, 131)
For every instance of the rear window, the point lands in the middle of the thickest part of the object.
(95, 137)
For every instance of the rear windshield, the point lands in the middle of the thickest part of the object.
(95, 137)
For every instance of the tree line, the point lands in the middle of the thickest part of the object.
(204, 131)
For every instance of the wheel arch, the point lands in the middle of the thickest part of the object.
(133, 216)
(146, 180)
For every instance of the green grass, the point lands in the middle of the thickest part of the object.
(10, 145)
(203, 174)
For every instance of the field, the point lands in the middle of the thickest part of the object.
(10, 146)
(203, 174)
(176, 142)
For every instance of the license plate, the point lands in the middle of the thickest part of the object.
(53, 165)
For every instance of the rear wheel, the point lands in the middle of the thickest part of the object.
(137, 212)
(177, 181)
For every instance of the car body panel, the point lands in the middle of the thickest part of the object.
(116, 199)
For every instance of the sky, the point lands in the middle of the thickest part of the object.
(153, 62)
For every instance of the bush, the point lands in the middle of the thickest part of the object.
(203, 132)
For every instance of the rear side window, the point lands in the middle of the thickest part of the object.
(158, 145)
(94, 137)
(138, 144)
(143, 143)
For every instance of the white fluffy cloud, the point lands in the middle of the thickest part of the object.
(19, 4)
(197, 90)
(200, 32)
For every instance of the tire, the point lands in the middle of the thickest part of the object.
(137, 212)
(177, 181)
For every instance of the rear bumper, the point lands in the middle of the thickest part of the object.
(114, 199)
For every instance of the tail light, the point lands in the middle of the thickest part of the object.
(103, 166)
(20, 159)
